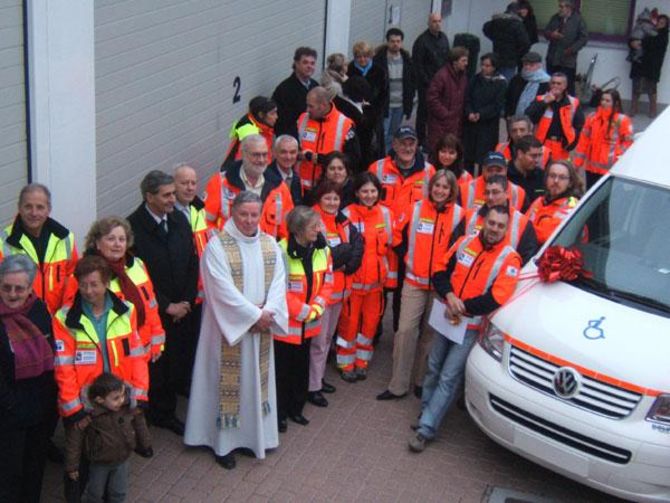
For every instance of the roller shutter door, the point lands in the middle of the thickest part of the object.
(172, 75)
(368, 22)
(13, 142)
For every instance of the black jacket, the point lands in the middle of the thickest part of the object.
(291, 99)
(273, 175)
(31, 401)
(509, 37)
(514, 90)
(429, 54)
(486, 97)
(170, 258)
(378, 81)
(408, 85)
(533, 183)
(348, 254)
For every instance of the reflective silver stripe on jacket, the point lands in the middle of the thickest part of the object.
(339, 132)
(497, 265)
(64, 360)
(304, 312)
(416, 216)
(514, 233)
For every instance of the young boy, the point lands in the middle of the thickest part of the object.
(111, 435)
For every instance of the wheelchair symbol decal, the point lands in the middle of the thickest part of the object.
(593, 330)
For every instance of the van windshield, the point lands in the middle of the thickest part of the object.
(623, 231)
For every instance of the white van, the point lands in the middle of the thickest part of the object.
(576, 376)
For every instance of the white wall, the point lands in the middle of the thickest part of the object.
(165, 73)
(470, 15)
(13, 145)
(62, 107)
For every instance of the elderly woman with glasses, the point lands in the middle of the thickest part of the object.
(309, 269)
(27, 385)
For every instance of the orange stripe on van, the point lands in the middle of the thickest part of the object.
(583, 370)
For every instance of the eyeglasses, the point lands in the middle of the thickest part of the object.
(14, 288)
(555, 176)
(258, 155)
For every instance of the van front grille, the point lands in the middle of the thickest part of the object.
(593, 395)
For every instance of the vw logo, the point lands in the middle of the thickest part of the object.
(566, 382)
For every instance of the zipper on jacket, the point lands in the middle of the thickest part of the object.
(467, 276)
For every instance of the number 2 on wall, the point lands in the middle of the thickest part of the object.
(237, 83)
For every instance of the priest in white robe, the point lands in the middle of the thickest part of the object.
(236, 407)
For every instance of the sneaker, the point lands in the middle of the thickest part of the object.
(361, 373)
(349, 376)
(417, 443)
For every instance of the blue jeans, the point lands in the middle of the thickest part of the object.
(446, 366)
(391, 125)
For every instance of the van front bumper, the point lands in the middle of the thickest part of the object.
(628, 458)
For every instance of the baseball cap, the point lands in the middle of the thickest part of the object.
(531, 57)
(405, 132)
(494, 159)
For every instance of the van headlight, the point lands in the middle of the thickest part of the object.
(492, 341)
(660, 411)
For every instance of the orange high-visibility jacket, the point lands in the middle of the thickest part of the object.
(506, 150)
(566, 115)
(478, 269)
(376, 226)
(399, 193)
(598, 149)
(472, 194)
(151, 332)
(546, 216)
(223, 187)
(79, 359)
(321, 137)
(429, 233)
(305, 311)
(474, 222)
(336, 234)
(59, 260)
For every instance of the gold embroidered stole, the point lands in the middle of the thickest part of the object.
(229, 383)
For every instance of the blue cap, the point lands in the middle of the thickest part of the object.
(405, 132)
(494, 159)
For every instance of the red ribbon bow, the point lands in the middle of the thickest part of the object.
(559, 263)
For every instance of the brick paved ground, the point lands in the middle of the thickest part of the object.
(354, 450)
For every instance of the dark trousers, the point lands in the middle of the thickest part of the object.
(421, 116)
(189, 348)
(569, 72)
(23, 455)
(165, 375)
(292, 370)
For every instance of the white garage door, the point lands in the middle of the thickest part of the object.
(13, 144)
(414, 19)
(371, 18)
(172, 75)
(368, 21)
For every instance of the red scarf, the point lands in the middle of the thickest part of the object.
(32, 353)
(129, 289)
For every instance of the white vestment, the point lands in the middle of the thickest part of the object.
(228, 313)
